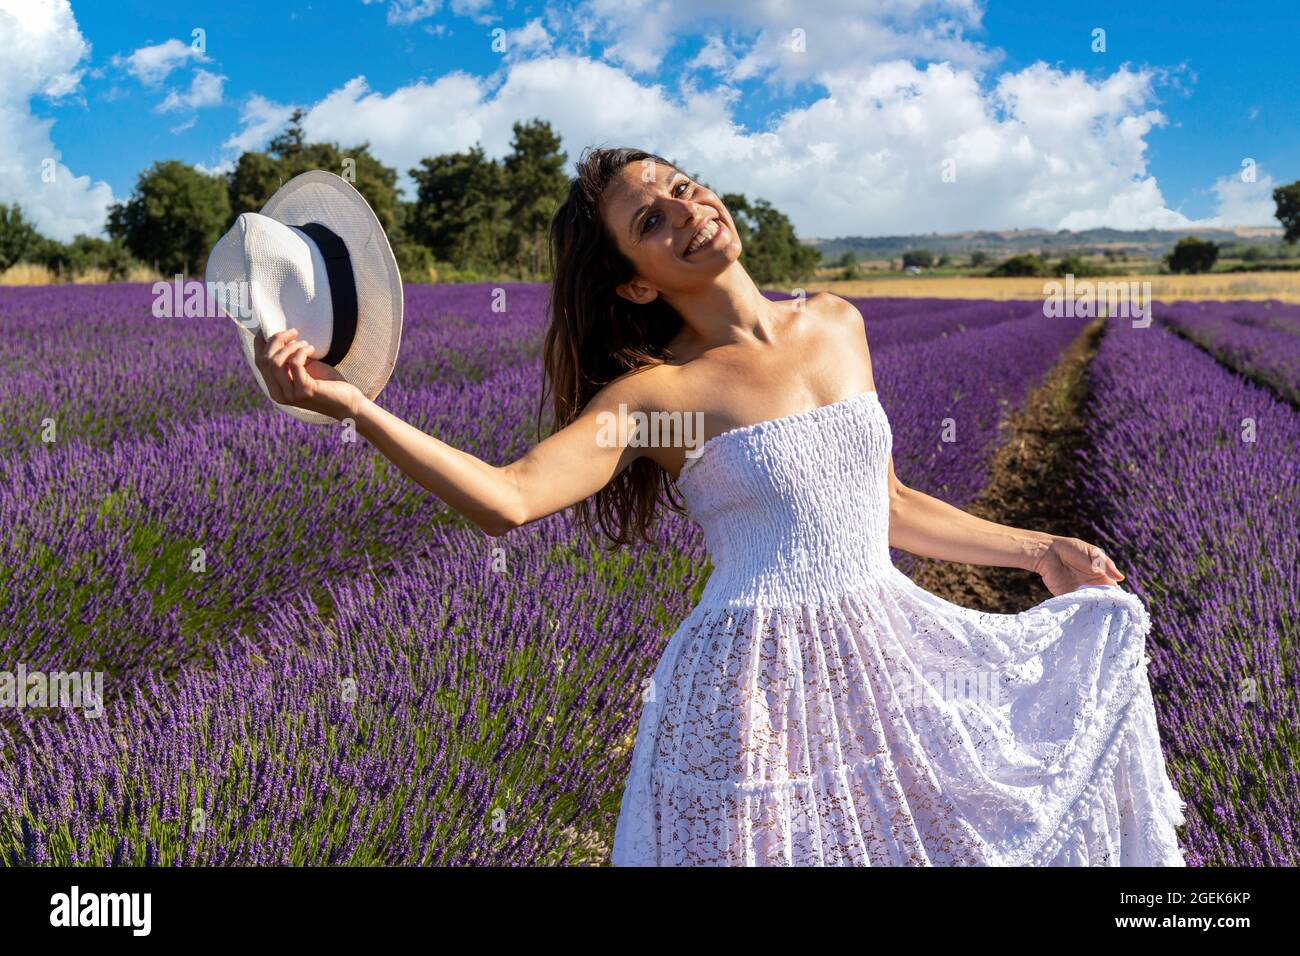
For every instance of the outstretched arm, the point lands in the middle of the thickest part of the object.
(566, 467)
(478, 490)
(930, 528)
(562, 469)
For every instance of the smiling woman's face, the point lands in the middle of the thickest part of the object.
(655, 213)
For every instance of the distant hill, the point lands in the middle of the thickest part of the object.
(1001, 243)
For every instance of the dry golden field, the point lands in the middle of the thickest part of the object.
(1284, 286)
(25, 273)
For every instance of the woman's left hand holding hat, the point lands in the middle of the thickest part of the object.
(294, 379)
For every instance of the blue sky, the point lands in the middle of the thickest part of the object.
(912, 117)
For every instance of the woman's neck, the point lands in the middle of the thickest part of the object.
(732, 309)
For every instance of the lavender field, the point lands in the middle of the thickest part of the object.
(1208, 521)
(1260, 340)
(308, 659)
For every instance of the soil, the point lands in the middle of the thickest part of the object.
(1028, 486)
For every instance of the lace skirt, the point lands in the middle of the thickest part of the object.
(891, 727)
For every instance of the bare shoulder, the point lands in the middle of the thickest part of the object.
(843, 318)
(838, 307)
(843, 331)
(641, 396)
(664, 388)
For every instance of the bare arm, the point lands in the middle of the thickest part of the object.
(563, 469)
(559, 471)
(930, 528)
(926, 526)
(472, 486)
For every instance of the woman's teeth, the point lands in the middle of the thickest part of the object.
(703, 236)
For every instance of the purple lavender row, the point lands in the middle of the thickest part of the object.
(65, 753)
(109, 540)
(879, 307)
(946, 399)
(56, 388)
(968, 316)
(888, 307)
(96, 363)
(1194, 470)
(170, 541)
(75, 511)
(453, 711)
(1266, 314)
(1243, 336)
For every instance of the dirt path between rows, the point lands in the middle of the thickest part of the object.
(1028, 486)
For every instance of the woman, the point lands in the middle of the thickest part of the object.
(794, 717)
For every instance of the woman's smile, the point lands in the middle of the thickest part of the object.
(719, 234)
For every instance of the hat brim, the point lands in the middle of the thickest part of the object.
(323, 197)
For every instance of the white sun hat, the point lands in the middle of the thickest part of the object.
(314, 259)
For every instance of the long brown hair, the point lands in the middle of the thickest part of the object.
(595, 335)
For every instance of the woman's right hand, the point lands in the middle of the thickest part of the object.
(294, 379)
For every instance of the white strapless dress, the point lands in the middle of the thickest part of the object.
(818, 707)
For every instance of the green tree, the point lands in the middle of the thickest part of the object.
(460, 208)
(257, 175)
(1288, 210)
(535, 184)
(1076, 266)
(921, 258)
(1026, 264)
(770, 250)
(111, 255)
(978, 258)
(1191, 254)
(173, 218)
(18, 237)
(83, 254)
(414, 262)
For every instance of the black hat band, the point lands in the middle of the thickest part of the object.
(343, 288)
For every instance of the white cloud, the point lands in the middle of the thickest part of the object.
(205, 90)
(41, 51)
(406, 12)
(530, 39)
(786, 42)
(1241, 203)
(469, 110)
(412, 11)
(473, 9)
(261, 119)
(1037, 147)
(637, 33)
(714, 55)
(902, 149)
(398, 126)
(153, 64)
(220, 169)
(873, 153)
